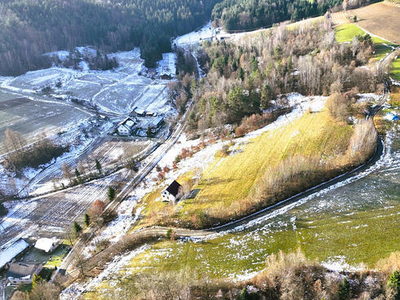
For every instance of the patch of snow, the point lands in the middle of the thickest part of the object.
(167, 65)
(339, 264)
(74, 291)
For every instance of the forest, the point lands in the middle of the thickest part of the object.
(252, 14)
(244, 76)
(30, 28)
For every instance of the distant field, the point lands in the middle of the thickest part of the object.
(346, 33)
(395, 69)
(381, 19)
(31, 118)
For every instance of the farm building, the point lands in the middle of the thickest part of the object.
(9, 253)
(22, 273)
(47, 245)
(172, 193)
(138, 112)
(126, 127)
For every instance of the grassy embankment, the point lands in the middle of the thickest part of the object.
(261, 172)
(346, 32)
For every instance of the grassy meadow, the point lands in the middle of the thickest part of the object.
(258, 172)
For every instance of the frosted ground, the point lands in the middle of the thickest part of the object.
(116, 91)
(151, 256)
(24, 108)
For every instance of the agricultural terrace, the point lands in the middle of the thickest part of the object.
(259, 172)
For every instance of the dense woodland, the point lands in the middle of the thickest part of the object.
(244, 77)
(30, 28)
(252, 14)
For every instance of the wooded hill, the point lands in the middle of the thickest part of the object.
(253, 14)
(30, 28)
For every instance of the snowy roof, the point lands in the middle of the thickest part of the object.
(157, 121)
(46, 244)
(9, 253)
(127, 123)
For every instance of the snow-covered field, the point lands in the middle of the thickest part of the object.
(25, 109)
(114, 91)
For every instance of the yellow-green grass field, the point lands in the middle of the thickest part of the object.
(346, 33)
(395, 69)
(227, 187)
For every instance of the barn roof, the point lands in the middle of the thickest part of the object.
(21, 270)
(173, 188)
(9, 253)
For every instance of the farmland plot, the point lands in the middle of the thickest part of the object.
(381, 19)
(53, 214)
(31, 118)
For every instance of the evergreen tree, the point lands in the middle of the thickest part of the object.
(111, 193)
(35, 280)
(87, 220)
(244, 295)
(77, 229)
(98, 166)
(344, 290)
(394, 284)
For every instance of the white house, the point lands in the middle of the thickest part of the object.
(126, 127)
(172, 193)
(7, 254)
(47, 245)
(22, 273)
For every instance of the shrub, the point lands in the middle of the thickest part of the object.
(344, 289)
(394, 285)
(3, 210)
(338, 106)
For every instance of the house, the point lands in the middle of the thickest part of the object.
(155, 124)
(140, 112)
(172, 193)
(7, 254)
(126, 127)
(47, 245)
(22, 272)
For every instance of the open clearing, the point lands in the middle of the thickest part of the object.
(31, 118)
(224, 188)
(381, 19)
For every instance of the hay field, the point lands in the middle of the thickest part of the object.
(382, 19)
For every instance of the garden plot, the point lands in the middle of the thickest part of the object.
(53, 214)
(135, 91)
(118, 151)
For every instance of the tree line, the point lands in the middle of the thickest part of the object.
(31, 28)
(253, 14)
(244, 77)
